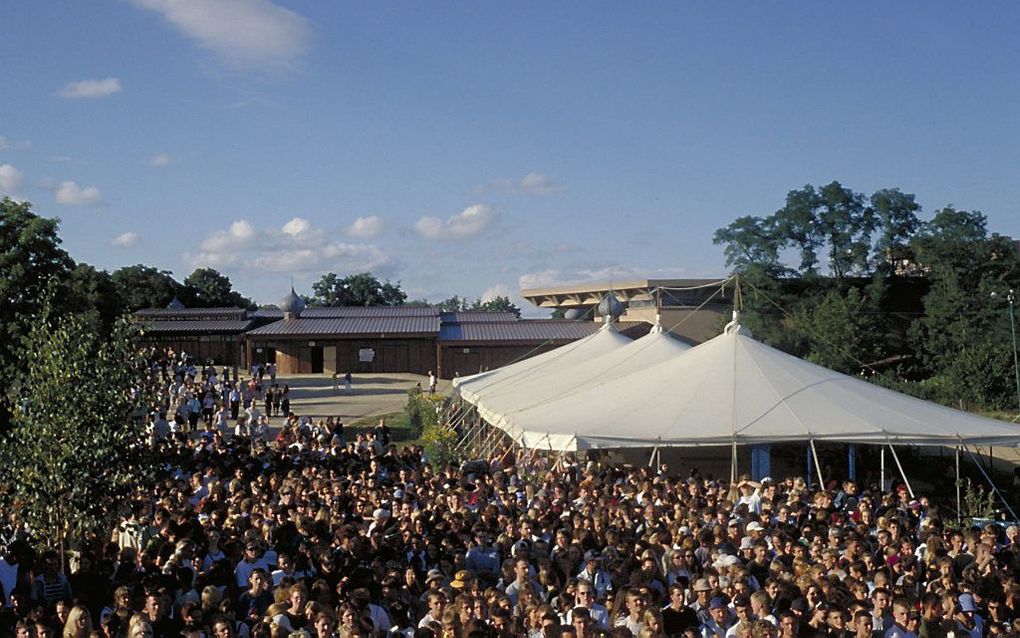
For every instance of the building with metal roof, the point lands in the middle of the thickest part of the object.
(362, 339)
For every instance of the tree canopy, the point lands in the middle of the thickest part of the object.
(208, 288)
(78, 444)
(360, 289)
(499, 303)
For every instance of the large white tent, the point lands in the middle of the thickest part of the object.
(574, 371)
(732, 390)
(472, 388)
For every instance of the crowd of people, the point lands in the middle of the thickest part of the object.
(291, 528)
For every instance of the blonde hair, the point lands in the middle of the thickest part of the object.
(71, 626)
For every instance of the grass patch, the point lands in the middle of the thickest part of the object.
(397, 421)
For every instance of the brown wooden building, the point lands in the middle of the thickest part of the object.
(361, 340)
(208, 334)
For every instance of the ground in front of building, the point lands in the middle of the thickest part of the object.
(371, 395)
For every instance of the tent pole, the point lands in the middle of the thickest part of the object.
(991, 482)
(809, 470)
(651, 459)
(733, 463)
(852, 462)
(959, 506)
(818, 466)
(902, 473)
(469, 430)
(881, 478)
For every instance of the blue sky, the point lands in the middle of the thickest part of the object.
(473, 149)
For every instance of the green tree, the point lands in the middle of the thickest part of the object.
(840, 331)
(796, 226)
(78, 445)
(500, 303)
(208, 288)
(750, 242)
(361, 289)
(31, 260)
(896, 218)
(143, 286)
(452, 304)
(93, 293)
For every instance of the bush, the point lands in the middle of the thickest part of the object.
(439, 443)
(420, 412)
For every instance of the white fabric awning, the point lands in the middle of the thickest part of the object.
(549, 383)
(472, 388)
(734, 388)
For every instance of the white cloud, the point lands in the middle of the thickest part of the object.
(533, 183)
(125, 240)
(540, 279)
(70, 194)
(469, 222)
(10, 180)
(366, 227)
(296, 226)
(160, 159)
(90, 88)
(499, 290)
(239, 233)
(243, 32)
(297, 247)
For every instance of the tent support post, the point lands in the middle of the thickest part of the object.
(881, 476)
(851, 459)
(651, 457)
(992, 483)
(809, 469)
(959, 505)
(896, 457)
(818, 466)
(733, 463)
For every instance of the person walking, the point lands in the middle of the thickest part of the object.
(348, 382)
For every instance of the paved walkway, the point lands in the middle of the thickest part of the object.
(372, 394)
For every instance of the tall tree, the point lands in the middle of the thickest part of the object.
(208, 288)
(31, 259)
(750, 242)
(361, 289)
(93, 293)
(896, 219)
(78, 445)
(142, 286)
(796, 226)
(847, 224)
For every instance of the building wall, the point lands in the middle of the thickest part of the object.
(389, 355)
(223, 350)
(289, 359)
(463, 360)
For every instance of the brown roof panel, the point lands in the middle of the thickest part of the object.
(197, 327)
(345, 326)
(189, 314)
(335, 312)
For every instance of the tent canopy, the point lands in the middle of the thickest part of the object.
(736, 389)
(553, 382)
(474, 387)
